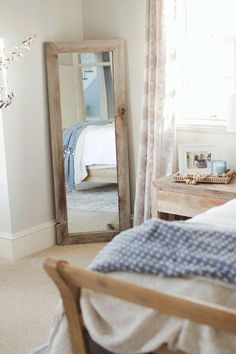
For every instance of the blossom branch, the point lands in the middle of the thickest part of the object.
(6, 97)
(7, 100)
(16, 54)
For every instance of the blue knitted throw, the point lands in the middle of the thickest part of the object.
(172, 249)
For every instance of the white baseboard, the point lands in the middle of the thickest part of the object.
(6, 249)
(27, 242)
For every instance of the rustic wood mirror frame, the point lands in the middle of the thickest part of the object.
(52, 49)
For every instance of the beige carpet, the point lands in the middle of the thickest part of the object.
(28, 297)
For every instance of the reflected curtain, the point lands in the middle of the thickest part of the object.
(157, 140)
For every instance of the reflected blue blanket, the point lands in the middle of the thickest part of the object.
(172, 249)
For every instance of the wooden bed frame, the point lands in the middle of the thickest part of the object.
(103, 175)
(70, 280)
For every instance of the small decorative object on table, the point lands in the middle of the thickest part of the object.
(223, 178)
(196, 158)
(218, 166)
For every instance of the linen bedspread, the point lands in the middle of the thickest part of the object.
(95, 146)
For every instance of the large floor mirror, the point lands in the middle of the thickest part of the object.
(88, 119)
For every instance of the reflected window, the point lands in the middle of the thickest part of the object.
(86, 86)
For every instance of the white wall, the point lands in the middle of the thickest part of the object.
(122, 19)
(25, 122)
(5, 218)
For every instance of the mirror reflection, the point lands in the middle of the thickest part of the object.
(89, 140)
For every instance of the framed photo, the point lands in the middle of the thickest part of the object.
(196, 158)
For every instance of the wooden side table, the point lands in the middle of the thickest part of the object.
(175, 200)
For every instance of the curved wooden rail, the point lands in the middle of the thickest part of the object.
(70, 280)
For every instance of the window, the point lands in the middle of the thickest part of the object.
(206, 53)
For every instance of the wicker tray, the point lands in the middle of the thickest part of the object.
(220, 180)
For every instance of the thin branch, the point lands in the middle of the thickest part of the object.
(4, 103)
(16, 54)
(6, 97)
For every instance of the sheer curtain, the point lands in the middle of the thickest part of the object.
(157, 139)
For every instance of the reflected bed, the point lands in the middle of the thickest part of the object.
(90, 153)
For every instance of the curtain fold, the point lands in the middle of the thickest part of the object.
(157, 137)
